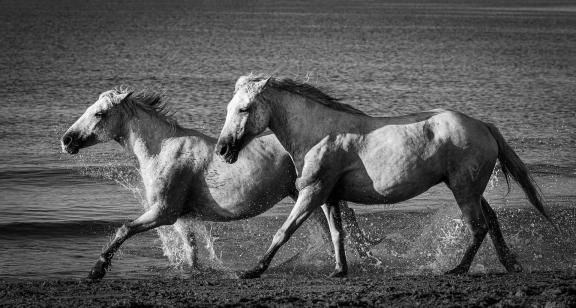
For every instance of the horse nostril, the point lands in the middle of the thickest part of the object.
(223, 150)
(67, 140)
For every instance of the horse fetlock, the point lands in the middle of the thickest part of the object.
(371, 259)
(339, 273)
(252, 273)
(512, 265)
(98, 272)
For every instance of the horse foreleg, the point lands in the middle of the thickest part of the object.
(318, 217)
(332, 212)
(149, 220)
(188, 242)
(309, 199)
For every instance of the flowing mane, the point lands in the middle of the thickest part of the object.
(148, 101)
(308, 91)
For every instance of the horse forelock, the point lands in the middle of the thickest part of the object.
(249, 83)
(300, 88)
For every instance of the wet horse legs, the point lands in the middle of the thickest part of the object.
(188, 241)
(482, 219)
(149, 220)
(506, 257)
(309, 199)
(332, 212)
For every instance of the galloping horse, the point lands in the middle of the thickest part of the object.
(341, 153)
(182, 177)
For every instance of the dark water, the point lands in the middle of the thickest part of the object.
(509, 65)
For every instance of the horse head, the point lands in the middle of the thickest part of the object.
(101, 122)
(247, 116)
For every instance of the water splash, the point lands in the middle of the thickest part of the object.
(493, 182)
(414, 243)
(214, 261)
(438, 244)
(441, 242)
(173, 239)
(179, 250)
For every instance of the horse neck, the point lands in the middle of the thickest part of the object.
(144, 134)
(300, 123)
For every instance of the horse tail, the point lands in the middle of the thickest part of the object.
(512, 166)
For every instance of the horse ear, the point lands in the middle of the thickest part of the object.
(263, 84)
(122, 97)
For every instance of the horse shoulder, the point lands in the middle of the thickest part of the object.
(170, 173)
(322, 163)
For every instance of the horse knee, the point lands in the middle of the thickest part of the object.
(280, 236)
(123, 231)
(336, 235)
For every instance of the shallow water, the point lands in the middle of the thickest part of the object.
(512, 66)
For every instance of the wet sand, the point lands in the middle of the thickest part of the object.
(540, 289)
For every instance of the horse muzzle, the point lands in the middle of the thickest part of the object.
(71, 143)
(228, 150)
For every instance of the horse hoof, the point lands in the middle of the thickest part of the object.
(514, 268)
(250, 275)
(457, 271)
(96, 275)
(338, 274)
(197, 268)
(373, 260)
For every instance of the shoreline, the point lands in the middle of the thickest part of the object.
(537, 289)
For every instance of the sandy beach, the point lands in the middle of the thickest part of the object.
(541, 289)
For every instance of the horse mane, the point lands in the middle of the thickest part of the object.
(307, 90)
(151, 102)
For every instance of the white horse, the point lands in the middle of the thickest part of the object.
(341, 153)
(181, 176)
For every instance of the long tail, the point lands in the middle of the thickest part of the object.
(513, 167)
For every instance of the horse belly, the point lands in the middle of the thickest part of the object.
(363, 189)
(233, 202)
(247, 189)
(394, 168)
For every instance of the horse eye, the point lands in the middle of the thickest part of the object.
(243, 110)
(100, 114)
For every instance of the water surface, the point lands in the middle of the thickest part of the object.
(509, 65)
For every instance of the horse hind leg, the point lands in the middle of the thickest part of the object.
(472, 214)
(356, 236)
(507, 258)
(352, 231)
(333, 216)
